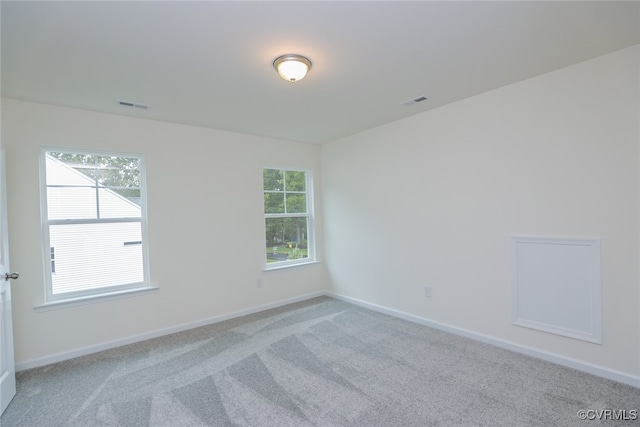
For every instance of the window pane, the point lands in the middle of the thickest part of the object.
(272, 180)
(286, 238)
(113, 205)
(67, 169)
(93, 256)
(273, 202)
(296, 203)
(121, 174)
(295, 181)
(71, 203)
(118, 171)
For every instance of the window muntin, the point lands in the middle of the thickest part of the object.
(288, 217)
(93, 205)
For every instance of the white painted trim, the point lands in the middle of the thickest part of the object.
(288, 266)
(90, 299)
(579, 365)
(597, 370)
(45, 224)
(59, 357)
(310, 215)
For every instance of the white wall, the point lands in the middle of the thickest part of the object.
(206, 230)
(433, 200)
(429, 200)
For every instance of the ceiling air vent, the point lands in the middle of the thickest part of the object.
(414, 101)
(133, 105)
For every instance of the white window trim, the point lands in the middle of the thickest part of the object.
(311, 229)
(81, 297)
(286, 267)
(73, 302)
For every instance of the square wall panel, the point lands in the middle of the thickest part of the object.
(555, 286)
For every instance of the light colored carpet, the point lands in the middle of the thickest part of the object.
(320, 362)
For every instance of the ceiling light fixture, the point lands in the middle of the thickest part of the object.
(292, 67)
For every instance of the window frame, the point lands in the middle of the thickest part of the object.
(101, 292)
(309, 215)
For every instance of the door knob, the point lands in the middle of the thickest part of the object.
(8, 276)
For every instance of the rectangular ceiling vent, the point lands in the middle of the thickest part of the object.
(133, 105)
(414, 101)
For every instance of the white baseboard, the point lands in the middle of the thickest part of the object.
(529, 351)
(59, 357)
(518, 348)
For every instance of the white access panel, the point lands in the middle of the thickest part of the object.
(555, 286)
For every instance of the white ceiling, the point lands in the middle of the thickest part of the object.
(210, 63)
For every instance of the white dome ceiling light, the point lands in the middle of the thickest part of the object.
(292, 67)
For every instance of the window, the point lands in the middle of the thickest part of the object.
(93, 209)
(288, 216)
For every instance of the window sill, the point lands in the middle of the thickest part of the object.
(90, 299)
(268, 269)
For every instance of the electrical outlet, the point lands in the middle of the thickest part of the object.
(259, 283)
(427, 291)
